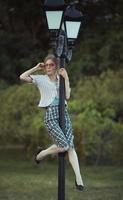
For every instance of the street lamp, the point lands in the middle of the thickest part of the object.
(54, 12)
(72, 20)
(63, 22)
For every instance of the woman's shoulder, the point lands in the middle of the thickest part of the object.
(37, 78)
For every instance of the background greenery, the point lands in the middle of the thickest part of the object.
(96, 71)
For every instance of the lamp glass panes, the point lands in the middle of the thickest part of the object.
(54, 19)
(72, 29)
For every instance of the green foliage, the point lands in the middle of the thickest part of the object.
(97, 51)
(24, 39)
(96, 111)
(17, 55)
(21, 120)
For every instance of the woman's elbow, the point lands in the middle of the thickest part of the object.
(25, 78)
(21, 77)
(67, 97)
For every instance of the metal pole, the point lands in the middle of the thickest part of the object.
(61, 156)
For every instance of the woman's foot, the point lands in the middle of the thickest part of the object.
(38, 150)
(79, 187)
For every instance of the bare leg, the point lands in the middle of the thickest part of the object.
(51, 150)
(75, 165)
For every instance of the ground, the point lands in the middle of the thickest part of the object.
(22, 179)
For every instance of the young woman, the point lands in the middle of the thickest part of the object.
(48, 85)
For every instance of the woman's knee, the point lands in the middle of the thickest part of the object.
(63, 149)
(71, 152)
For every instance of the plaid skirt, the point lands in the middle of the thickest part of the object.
(51, 121)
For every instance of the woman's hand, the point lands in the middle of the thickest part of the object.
(40, 66)
(63, 72)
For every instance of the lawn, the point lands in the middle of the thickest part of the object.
(22, 179)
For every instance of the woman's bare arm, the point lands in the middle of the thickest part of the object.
(67, 88)
(63, 72)
(26, 75)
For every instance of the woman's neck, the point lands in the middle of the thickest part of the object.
(53, 77)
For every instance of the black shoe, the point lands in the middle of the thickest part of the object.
(38, 150)
(79, 187)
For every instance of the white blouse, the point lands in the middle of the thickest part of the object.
(47, 89)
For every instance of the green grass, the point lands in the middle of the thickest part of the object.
(22, 179)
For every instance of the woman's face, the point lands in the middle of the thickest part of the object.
(50, 67)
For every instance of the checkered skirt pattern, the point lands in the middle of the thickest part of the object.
(51, 120)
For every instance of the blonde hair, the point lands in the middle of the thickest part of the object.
(52, 57)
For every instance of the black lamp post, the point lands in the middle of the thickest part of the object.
(63, 22)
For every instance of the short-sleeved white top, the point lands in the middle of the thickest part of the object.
(47, 89)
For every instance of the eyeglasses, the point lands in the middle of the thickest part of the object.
(50, 64)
